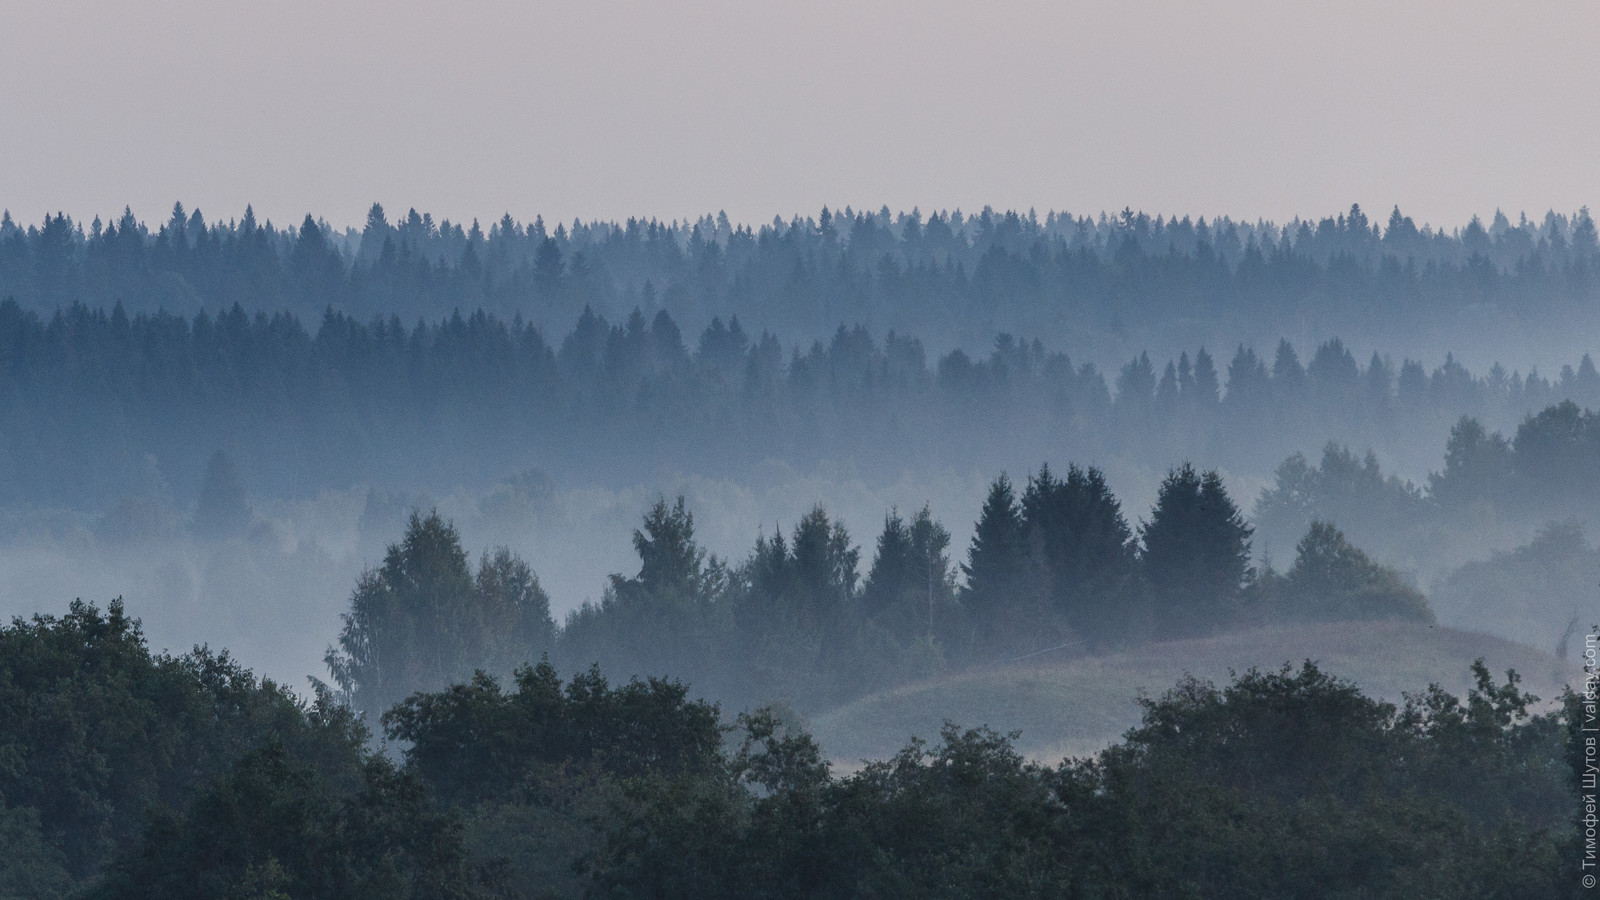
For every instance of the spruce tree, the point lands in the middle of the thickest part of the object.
(911, 585)
(1196, 554)
(1006, 589)
(1076, 524)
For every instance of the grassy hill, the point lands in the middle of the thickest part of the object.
(1078, 706)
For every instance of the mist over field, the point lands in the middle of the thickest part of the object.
(515, 451)
(542, 386)
(532, 529)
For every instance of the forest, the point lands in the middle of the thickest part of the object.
(1082, 283)
(1052, 567)
(452, 758)
(132, 774)
(92, 399)
(1296, 518)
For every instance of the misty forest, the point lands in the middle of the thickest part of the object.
(864, 554)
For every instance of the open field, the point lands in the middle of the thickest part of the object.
(1078, 706)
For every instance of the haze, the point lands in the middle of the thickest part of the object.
(612, 110)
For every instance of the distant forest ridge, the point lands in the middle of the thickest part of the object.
(949, 277)
(88, 398)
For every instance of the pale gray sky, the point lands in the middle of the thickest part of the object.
(599, 109)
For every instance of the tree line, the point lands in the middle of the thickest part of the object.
(1542, 473)
(949, 276)
(1054, 568)
(130, 774)
(91, 400)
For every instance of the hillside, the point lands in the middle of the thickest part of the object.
(1078, 706)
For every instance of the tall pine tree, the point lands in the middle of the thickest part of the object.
(1196, 554)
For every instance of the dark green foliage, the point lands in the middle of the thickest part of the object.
(30, 868)
(1006, 595)
(1294, 784)
(510, 598)
(669, 559)
(536, 770)
(1196, 553)
(474, 741)
(791, 622)
(1088, 549)
(1057, 572)
(275, 829)
(421, 620)
(910, 590)
(795, 610)
(1281, 735)
(94, 730)
(1331, 581)
(1286, 783)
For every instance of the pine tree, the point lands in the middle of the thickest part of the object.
(1087, 548)
(911, 586)
(891, 570)
(1205, 390)
(1196, 554)
(1007, 588)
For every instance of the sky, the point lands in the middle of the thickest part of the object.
(670, 110)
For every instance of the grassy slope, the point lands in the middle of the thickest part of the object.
(1078, 706)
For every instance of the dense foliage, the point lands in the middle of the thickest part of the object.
(422, 620)
(1332, 581)
(126, 773)
(95, 730)
(1057, 570)
(954, 277)
(1284, 783)
(1281, 783)
(97, 405)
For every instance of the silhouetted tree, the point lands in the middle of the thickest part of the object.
(421, 621)
(910, 590)
(1088, 550)
(1196, 554)
(665, 618)
(1331, 581)
(1477, 468)
(1006, 594)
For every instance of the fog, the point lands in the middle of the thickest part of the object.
(227, 423)
(533, 518)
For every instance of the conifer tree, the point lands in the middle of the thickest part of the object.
(1196, 554)
(1087, 548)
(911, 586)
(1007, 588)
